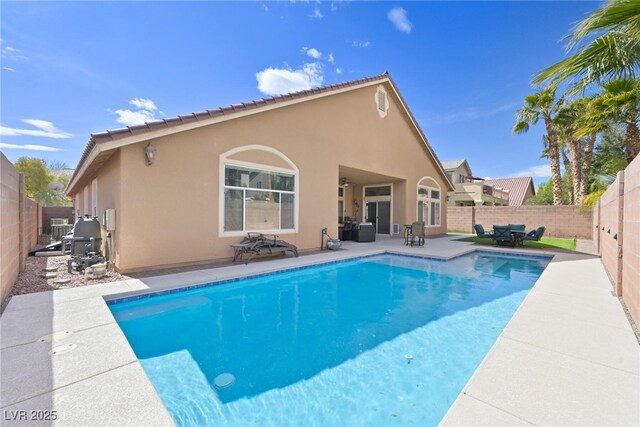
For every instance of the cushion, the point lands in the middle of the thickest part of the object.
(479, 229)
(531, 233)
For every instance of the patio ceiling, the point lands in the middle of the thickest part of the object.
(359, 176)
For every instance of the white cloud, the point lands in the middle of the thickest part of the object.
(264, 7)
(9, 52)
(339, 71)
(361, 44)
(146, 112)
(275, 81)
(8, 69)
(144, 104)
(540, 171)
(43, 129)
(29, 147)
(130, 118)
(398, 16)
(330, 58)
(312, 52)
(316, 14)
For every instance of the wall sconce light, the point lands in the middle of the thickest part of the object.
(149, 154)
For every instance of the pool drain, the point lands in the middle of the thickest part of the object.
(224, 380)
(409, 357)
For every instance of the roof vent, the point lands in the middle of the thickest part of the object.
(382, 101)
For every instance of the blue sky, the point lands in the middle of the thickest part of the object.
(70, 69)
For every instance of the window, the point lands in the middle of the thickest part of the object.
(258, 199)
(450, 176)
(377, 191)
(461, 179)
(429, 206)
(94, 197)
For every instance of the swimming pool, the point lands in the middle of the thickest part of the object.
(380, 340)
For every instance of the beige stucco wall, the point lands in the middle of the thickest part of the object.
(169, 212)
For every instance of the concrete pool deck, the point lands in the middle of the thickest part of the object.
(568, 356)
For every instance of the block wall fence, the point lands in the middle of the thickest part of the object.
(560, 221)
(616, 234)
(20, 219)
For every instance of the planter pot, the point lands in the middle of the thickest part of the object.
(334, 244)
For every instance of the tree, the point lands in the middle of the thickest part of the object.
(44, 184)
(37, 177)
(619, 102)
(543, 105)
(544, 193)
(607, 46)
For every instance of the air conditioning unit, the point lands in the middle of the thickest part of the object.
(396, 228)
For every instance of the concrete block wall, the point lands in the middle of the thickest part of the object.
(460, 219)
(9, 226)
(619, 210)
(560, 221)
(19, 222)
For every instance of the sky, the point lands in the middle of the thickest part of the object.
(69, 69)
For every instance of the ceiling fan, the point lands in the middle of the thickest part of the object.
(344, 182)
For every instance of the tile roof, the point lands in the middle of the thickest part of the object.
(120, 133)
(148, 127)
(517, 188)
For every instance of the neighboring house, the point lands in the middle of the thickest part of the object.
(470, 190)
(279, 165)
(520, 189)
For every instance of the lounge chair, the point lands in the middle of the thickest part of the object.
(256, 244)
(416, 234)
(481, 233)
(503, 236)
(534, 235)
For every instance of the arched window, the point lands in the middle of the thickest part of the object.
(429, 202)
(257, 197)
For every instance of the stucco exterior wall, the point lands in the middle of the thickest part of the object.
(169, 212)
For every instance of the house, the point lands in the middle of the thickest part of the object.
(520, 189)
(185, 188)
(470, 190)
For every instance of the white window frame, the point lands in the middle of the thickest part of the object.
(428, 200)
(388, 198)
(224, 161)
(85, 205)
(94, 197)
(341, 199)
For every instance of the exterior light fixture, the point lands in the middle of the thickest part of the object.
(149, 154)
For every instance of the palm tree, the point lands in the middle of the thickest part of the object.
(579, 144)
(613, 53)
(543, 105)
(619, 102)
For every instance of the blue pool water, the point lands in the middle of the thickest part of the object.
(327, 345)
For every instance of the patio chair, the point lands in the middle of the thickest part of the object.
(364, 232)
(480, 232)
(257, 244)
(502, 235)
(534, 235)
(416, 234)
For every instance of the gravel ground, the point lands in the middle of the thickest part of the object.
(31, 280)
